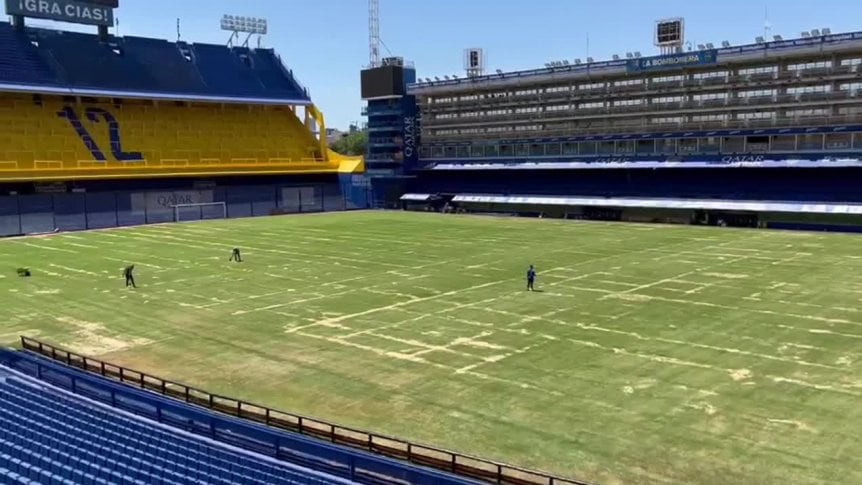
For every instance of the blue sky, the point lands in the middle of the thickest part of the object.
(326, 42)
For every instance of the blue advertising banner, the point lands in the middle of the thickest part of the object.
(410, 130)
(77, 12)
(672, 61)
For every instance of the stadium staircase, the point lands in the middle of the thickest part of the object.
(59, 424)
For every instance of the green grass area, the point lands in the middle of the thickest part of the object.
(653, 354)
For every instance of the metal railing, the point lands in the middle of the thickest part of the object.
(449, 461)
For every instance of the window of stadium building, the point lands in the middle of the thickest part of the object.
(709, 75)
(755, 115)
(748, 71)
(667, 120)
(553, 149)
(626, 146)
(607, 148)
(733, 144)
(526, 92)
(687, 145)
(558, 89)
(799, 113)
(709, 145)
(667, 79)
(839, 141)
(757, 93)
(852, 87)
(588, 148)
(714, 117)
(666, 146)
(628, 102)
(805, 66)
(558, 107)
(592, 105)
(667, 100)
(709, 96)
(856, 61)
(590, 86)
(628, 82)
(822, 88)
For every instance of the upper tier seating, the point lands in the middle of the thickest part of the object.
(47, 436)
(58, 59)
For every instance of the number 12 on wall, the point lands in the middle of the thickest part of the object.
(96, 115)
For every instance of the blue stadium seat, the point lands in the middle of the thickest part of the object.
(20, 62)
(142, 65)
(47, 437)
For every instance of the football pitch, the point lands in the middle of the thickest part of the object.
(651, 354)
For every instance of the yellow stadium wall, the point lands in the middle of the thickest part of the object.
(144, 139)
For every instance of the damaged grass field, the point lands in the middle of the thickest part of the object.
(650, 354)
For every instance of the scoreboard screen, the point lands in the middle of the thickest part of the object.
(669, 32)
(382, 81)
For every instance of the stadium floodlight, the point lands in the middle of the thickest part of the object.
(590, 60)
(759, 39)
(616, 57)
(805, 34)
(826, 31)
(725, 44)
(436, 78)
(565, 62)
(250, 25)
(710, 45)
(815, 33)
(701, 47)
(446, 77)
(777, 38)
(577, 61)
(499, 71)
(629, 55)
(637, 54)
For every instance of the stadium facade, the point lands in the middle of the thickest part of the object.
(100, 131)
(774, 121)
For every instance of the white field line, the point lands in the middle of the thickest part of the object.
(372, 311)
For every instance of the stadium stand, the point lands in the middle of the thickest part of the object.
(60, 425)
(776, 121)
(127, 122)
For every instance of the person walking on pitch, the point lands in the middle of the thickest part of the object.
(128, 273)
(235, 255)
(531, 278)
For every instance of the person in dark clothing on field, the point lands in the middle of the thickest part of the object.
(531, 278)
(128, 273)
(235, 255)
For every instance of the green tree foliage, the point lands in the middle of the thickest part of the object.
(352, 144)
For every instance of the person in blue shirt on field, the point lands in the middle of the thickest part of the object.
(531, 278)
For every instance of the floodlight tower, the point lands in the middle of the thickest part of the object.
(236, 25)
(373, 33)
